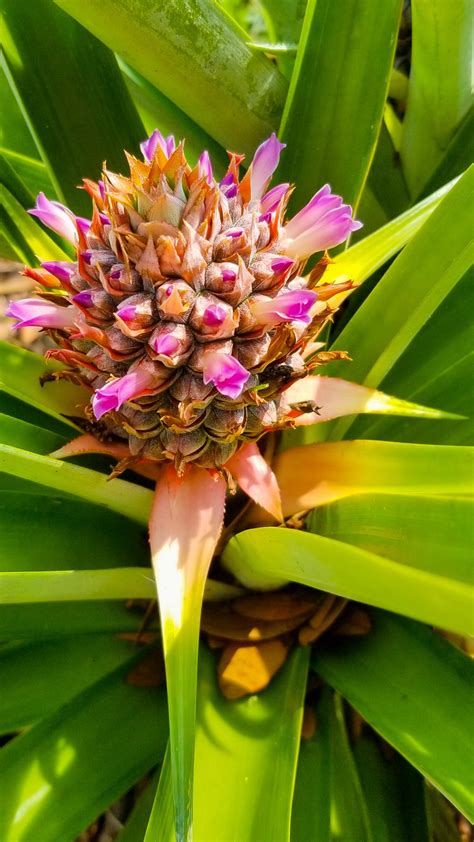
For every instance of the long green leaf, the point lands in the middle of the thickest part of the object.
(40, 677)
(112, 539)
(412, 687)
(441, 376)
(119, 496)
(162, 113)
(246, 755)
(198, 57)
(13, 129)
(83, 81)
(65, 585)
(20, 374)
(393, 793)
(57, 619)
(20, 433)
(434, 534)
(457, 157)
(311, 799)
(439, 93)
(32, 172)
(410, 292)
(269, 557)
(135, 827)
(59, 776)
(349, 819)
(338, 89)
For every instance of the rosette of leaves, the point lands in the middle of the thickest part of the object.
(383, 504)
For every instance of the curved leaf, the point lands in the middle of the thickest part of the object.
(412, 687)
(269, 557)
(198, 57)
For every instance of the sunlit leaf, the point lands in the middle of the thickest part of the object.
(412, 687)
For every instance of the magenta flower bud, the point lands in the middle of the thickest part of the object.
(229, 282)
(205, 167)
(264, 164)
(322, 224)
(61, 269)
(137, 312)
(234, 232)
(228, 243)
(228, 275)
(101, 187)
(286, 307)
(34, 312)
(212, 318)
(280, 265)
(104, 219)
(84, 298)
(56, 216)
(225, 373)
(228, 186)
(171, 343)
(111, 396)
(148, 146)
(272, 199)
(83, 224)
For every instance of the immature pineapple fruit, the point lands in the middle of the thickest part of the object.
(185, 311)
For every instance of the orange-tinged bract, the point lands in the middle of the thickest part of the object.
(186, 312)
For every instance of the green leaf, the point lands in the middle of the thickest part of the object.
(83, 81)
(316, 474)
(437, 533)
(311, 799)
(243, 772)
(135, 827)
(393, 793)
(56, 619)
(386, 180)
(409, 294)
(59, 776)
(65, 585)
(20, 374)
(412, 687)
(349, 818)
(270, 557)
(13, 130)
(439, 93)
(457, 157)
(32, 172)
(116, 540)
(337, 94)
(274, 49)
(19, 433)
(119, 496)
(198, 57)
(159, 111)
(284, 19)
(40, 677)
(441, 376)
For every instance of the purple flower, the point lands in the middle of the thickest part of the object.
(264, 164)
(116, 392)
(323, 223)
(270, 201)
(61, 269)
(148, 146)
(291, 306)
(225, 373)
(38, 313)
(281, 264)
(214, 315)
(165, 344)
(84, 224)
(56, 216)
(205, 167)
(84, 298)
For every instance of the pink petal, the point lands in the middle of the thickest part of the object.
(185, 524)
(289, 306)
(264, 164)
(149, 146)
(256, 478)
(322, 224)
(116, 392)
(205, 167)
(225, 373)
(56, 216)
(34, 312)
(272, 199)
